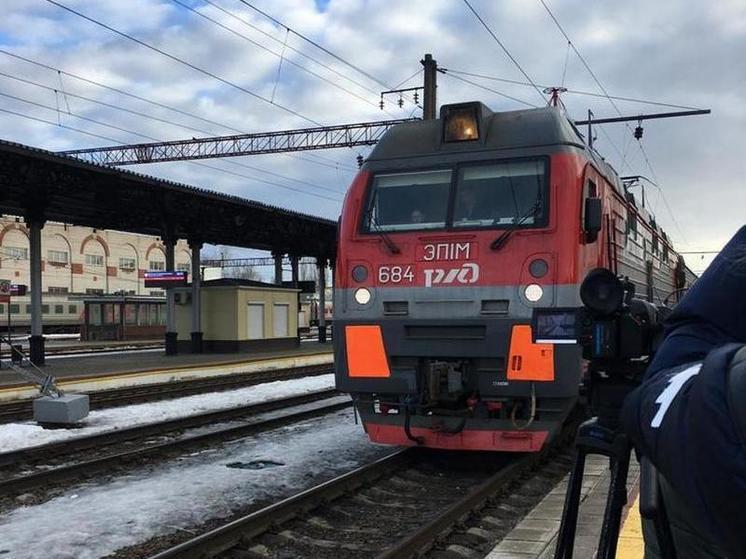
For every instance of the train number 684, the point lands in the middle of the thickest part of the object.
(395, 274)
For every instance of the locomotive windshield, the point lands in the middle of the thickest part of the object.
(497, 195)
(407, 201)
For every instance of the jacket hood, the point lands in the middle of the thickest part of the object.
(713, 311)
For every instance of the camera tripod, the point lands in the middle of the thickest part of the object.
(603, 436)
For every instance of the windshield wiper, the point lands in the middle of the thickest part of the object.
(373, 224)
(498, 243)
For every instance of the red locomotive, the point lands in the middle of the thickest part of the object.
(454, 230)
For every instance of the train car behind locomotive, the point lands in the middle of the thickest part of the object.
(452, 233)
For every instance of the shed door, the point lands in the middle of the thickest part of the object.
(255, 321)
(280, 320)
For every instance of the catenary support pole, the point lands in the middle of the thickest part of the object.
(171, 345)
(430, 87)
(332, 270)
(36, 341)
(294, 270)
(278, 267)
(321, 267)
(196, 247)
(10, 338)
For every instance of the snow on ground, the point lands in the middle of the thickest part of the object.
(25, 434)
(94, 520)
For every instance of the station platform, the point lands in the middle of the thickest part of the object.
(68, 344)
(535, 537)
(115, 370)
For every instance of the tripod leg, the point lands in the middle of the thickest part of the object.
(616, 500)
(568, 525)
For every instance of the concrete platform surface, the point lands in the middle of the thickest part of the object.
(535, 537)
(136, 362)
(100, 372)
(70, 344)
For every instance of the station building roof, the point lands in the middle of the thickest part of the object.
(240, 282)
(42, 185)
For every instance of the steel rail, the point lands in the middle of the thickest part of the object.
(127, 395)
(69, 446)
(242, 531)
(247, 527)
(429, 533)
(417, 543)
(71, 471)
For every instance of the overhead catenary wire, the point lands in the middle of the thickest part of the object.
(65, 126)
(623, 158)
(333, 164)
(280, 55)
(318, 45)
(279, 66)
(290, 47)
(616, 108)
(147, 116)
(119, 91)
(109, 139)
(575, 91)
(401, 83)
(505, 50)
(81, 117)
(183, 62)
(663, 195)
(580, 56)
(567, 61)
(104, 104)
(484, 87)
(592, 73)
(241, 175)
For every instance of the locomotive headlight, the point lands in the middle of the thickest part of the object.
(533, 292)
(461, 123)
(362, 296)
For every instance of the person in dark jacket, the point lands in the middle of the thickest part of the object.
(689, 414)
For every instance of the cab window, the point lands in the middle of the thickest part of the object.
(409, 201)
(503, 194)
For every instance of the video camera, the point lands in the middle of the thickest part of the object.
(616, 331)
(618, 334)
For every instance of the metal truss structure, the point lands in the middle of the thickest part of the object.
(304, 139)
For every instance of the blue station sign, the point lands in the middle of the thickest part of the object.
(165, 279)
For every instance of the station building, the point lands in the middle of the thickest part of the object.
(79, 261)
(239, 315)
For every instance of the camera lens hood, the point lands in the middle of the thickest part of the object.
(602, 292)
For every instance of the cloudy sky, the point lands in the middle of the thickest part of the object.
(684, 53)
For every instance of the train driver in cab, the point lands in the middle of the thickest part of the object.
(469, 207)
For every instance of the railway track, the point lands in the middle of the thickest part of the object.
(22, 409)
(46, 465)
(397, 507)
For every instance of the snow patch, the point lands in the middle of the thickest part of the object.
(14, 436)
(96, 519)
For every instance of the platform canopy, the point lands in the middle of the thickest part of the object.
(41, 185)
